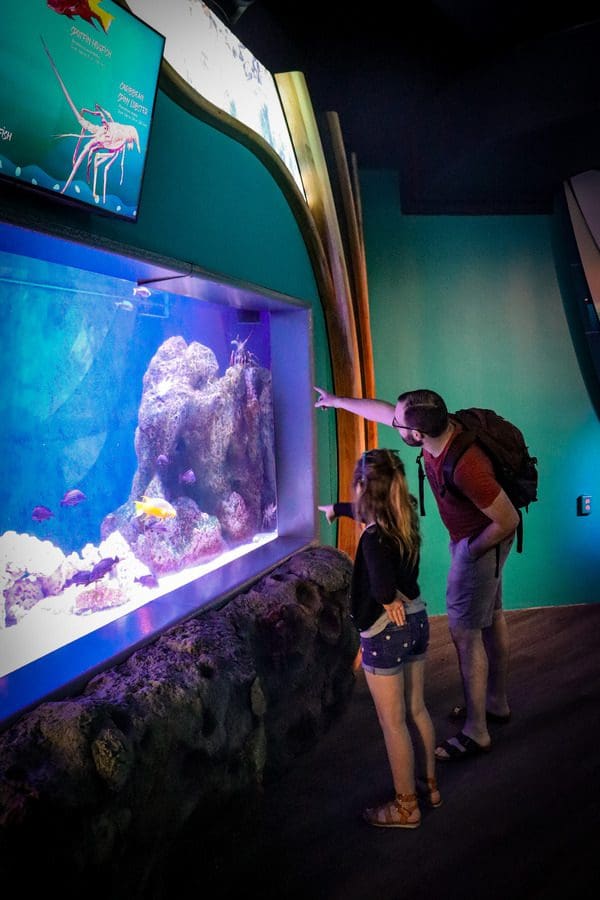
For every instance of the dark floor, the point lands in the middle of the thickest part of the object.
(522, 821)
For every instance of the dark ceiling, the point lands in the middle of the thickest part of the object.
(482, 106)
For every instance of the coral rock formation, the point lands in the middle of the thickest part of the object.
(204, 442)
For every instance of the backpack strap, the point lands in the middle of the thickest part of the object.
(520, 532)
(519, 543)
(421, 483)
(456, 449)
(461, 442)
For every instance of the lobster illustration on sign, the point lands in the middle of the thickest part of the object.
(106, 142)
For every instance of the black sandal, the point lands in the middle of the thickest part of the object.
(463, 748)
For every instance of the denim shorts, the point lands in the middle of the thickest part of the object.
(386, 652)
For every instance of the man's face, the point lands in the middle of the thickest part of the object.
(407, 434)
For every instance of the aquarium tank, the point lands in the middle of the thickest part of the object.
(158, 449)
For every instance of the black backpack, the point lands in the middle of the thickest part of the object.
(514, 467)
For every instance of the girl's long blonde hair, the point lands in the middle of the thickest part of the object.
(381, 495)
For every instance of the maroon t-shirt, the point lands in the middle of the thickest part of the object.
(474, 477)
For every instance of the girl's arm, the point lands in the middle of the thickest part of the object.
(335, 510)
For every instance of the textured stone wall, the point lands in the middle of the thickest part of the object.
(95, 789)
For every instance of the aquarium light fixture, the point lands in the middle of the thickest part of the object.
(142, 282)
(63, 289)
(141, 290)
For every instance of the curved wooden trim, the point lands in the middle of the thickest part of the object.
(340, 312)
(351, 215)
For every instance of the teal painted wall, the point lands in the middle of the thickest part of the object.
(471, 307)
(206, 198)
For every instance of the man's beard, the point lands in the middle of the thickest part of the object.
(411, 441)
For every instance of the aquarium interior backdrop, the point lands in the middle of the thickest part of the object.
(141, 422)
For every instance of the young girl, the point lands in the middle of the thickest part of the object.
(394, 629)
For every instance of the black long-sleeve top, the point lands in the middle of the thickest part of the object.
(380, 569)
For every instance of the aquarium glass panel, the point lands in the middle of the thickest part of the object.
(140, 424)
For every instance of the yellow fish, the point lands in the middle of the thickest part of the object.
(105, 17)
(155, 506)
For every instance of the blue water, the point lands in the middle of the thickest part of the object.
(76, 347)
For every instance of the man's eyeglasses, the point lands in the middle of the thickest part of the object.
(396, 424)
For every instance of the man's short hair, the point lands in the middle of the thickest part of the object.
(424, 410)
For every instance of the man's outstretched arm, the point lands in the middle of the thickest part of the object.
(373, 410)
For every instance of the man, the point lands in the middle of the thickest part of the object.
(481, 522)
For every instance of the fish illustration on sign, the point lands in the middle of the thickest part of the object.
(88, 10)
(155, 506)
(41, 513)
(72, 498)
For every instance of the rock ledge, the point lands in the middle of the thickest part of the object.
(95, 789)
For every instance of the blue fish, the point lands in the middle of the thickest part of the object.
(81, 577)
(103, 567)
(87, 576)
(187, 477)
(41, 513)
(147, 580)
(72, 498)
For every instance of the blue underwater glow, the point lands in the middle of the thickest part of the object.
(133, 382)
(76, 353)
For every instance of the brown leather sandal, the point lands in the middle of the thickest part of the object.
(401, 812)
(427, 789)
